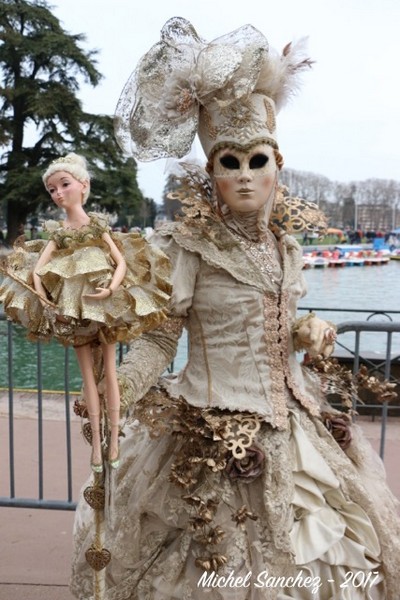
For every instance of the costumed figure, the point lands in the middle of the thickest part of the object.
(86, 287)
(240, 480)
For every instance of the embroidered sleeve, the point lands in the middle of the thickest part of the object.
(185, 267)
(147, 359)
(152, 352)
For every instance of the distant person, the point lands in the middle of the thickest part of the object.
(392, 242)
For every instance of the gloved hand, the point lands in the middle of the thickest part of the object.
(314, 335)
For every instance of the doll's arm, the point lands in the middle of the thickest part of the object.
(43, 260)
(119, 273)
(314, 335)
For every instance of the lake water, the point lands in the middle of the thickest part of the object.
(368, 288)
(24, 363)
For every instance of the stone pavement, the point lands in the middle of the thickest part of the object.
(36, 544)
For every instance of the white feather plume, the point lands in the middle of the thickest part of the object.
(280, 76)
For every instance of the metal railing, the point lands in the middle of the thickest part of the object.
(40, 502)
(384, 367)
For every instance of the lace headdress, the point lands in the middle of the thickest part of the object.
(228, 91)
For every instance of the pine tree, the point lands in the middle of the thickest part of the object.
(41, 69)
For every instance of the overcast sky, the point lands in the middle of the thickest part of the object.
(345, 122)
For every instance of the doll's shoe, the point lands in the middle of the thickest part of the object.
(96, 467)
(114, 462)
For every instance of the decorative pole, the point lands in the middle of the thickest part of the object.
(96, 555)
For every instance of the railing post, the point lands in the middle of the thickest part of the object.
(385, 404)
(10, 408)
(68, 424)
(40, 416)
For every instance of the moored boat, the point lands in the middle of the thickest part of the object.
(348, 258)
(395, 254)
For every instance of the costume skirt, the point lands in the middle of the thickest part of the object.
(295, 517)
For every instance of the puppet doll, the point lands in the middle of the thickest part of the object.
(86, 286)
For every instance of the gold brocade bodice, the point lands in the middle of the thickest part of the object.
(66, 237)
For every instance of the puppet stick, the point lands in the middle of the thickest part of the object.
(27, 286)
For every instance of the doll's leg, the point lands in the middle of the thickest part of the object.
(85, 360)
(113, 400)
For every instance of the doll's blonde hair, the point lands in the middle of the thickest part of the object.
(75, 165)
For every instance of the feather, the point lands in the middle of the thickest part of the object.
(280, 75)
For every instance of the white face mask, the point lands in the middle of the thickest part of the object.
(246, 180)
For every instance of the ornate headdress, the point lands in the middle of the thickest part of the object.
(228, 91)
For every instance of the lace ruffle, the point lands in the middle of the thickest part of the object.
(156, 536)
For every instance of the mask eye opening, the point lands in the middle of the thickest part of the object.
(258, 161)
(228, 161)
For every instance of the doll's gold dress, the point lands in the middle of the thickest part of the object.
(82, 262)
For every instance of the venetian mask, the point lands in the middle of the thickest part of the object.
(245, 179)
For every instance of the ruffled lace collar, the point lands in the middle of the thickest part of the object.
(252, 226)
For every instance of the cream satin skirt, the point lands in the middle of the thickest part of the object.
(307, 534)
(334, 541)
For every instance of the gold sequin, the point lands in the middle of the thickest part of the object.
(274, 359)
(212, 132)
(264, 254)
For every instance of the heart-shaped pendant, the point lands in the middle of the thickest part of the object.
(87, 432)
(95, 497)
(97, 559)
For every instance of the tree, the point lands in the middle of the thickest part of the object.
(171, 208)
(114, 177)
(41, 67)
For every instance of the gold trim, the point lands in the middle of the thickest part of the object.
(271, 120)
(275, 362)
